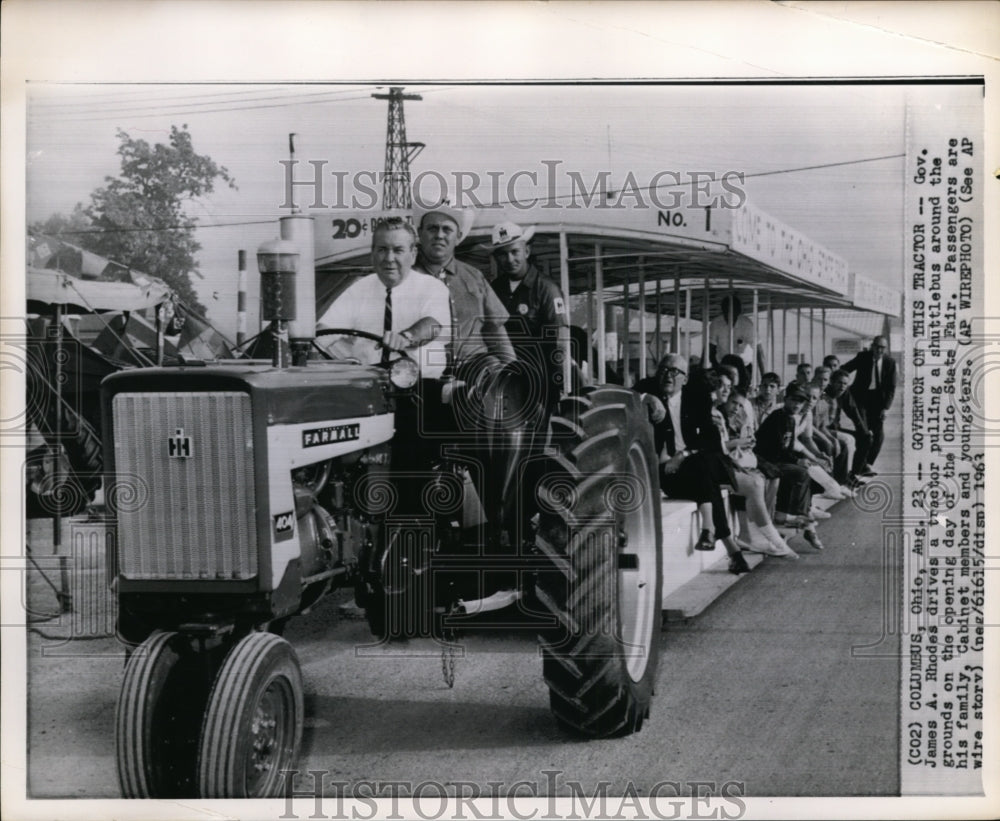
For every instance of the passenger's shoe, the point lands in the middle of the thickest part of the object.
(783, 551)
(764, 548)
(786, 520)
(777, 546)
(818, 513)
(813, 538)
(867, 471)
(706, 541)
(737, 564)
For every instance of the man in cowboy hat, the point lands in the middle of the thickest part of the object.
(478, 315)
(539, 316)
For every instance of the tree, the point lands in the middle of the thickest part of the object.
(140, 218)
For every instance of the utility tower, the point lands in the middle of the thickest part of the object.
(398, 152)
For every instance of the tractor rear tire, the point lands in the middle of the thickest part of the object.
(253, 723)
(599, 530)
(158, 718)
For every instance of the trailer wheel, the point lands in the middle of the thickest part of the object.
(599, 528)
(158, 718)
(253, 722)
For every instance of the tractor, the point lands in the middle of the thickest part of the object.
(244, 491)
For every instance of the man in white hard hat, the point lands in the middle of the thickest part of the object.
(539, 315)
(478, 335)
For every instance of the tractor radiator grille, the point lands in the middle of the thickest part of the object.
(184, 491)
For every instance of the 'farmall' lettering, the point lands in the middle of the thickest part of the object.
(326, 436)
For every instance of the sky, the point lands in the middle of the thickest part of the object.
(825, 159)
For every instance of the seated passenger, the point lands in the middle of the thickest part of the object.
(738, 441)
(820, 464)
(826, 440)
(692, 465)
(803, 374)
(766, 399)
(847, 408)
(740, 377)
(776, 445)
(828, 417)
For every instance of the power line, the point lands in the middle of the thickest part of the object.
(574, 194)
(159, 228)
(185, 112)
(73, 107)
(71, 117)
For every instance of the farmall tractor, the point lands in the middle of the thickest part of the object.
(247, 490)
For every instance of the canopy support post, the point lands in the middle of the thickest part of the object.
(676, 343)
(704, 328)
(602, 336)
(659, 320)
(798, 338)
(784, 341)
(812, 335)
(642, 318)
(591, 324)
(567, 362)
(731, 318)
(770, 333)
(625, 339)
(687, 317)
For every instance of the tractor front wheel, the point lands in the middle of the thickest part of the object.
(253, 723)
(158, 717)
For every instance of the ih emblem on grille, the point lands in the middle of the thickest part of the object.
(179, 445)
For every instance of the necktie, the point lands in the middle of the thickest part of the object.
(387, 321)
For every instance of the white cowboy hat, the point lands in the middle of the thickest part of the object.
(507, 233)
(462, 217)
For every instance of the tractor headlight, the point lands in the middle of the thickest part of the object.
(404, 373)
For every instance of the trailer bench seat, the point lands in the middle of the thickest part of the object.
(681, 529)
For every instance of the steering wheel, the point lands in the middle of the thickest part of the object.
(358, 333)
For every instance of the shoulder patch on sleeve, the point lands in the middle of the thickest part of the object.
(558, 305)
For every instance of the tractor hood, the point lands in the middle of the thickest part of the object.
(321, 391)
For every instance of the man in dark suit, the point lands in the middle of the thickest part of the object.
(873, 388)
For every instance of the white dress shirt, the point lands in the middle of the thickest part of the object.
(362, 307)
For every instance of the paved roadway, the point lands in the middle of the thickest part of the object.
(784, 684)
